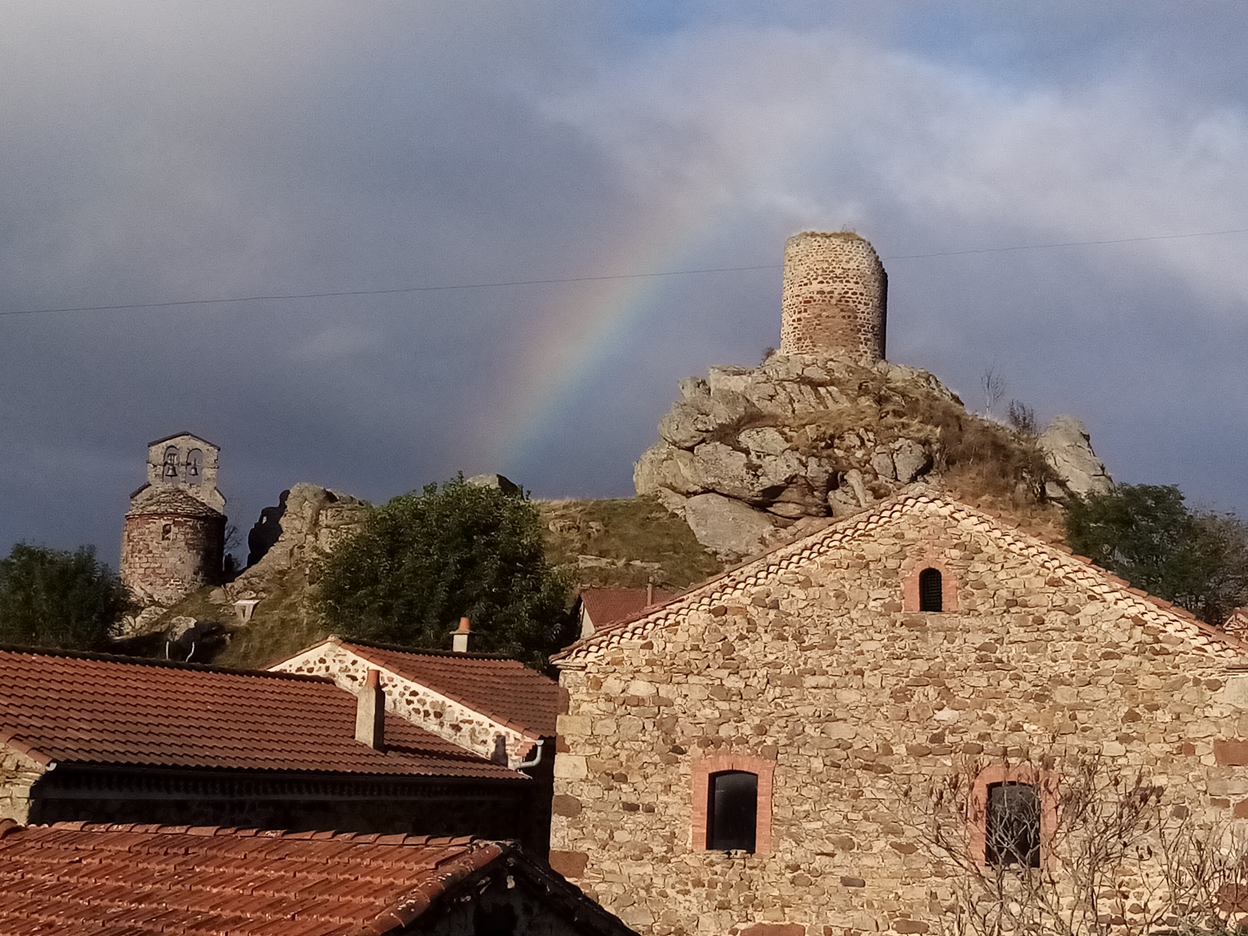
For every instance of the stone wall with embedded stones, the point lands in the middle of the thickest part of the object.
(431, 710)
(835, 297)
(815, 665)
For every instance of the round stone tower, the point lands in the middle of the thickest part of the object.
(172, 544)
(835, 297)
(173, 541)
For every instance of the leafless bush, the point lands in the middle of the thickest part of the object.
(1115, 855)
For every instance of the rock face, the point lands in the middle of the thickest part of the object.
(746, 452)
(1068, 447)
(309, 519)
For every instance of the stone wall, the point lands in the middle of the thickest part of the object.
(18, 773)
(807, 659)
(432, 711)
(835, 297)
(164, 555)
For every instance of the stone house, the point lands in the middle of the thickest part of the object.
(81, 877)
(496, 707)
(86, 737)
(741, 758)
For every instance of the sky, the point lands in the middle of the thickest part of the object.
(372, 244)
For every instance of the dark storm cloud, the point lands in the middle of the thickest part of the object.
(168, 151)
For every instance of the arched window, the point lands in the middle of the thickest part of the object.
(171, 462)
(931, 590)
(1012, 825)
(732, 811)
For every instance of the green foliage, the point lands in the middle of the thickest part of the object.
(427, 558)
(1147, 534)
(59, 599)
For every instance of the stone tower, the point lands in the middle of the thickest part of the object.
(835, 297)
(174, 536)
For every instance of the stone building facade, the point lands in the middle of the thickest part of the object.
(173, 540)
(835, 297)
(837, 675)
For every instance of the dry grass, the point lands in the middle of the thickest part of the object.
(636, 537)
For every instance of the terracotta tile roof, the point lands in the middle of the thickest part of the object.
(606, 605)
(506, 691)
(1056, 560)
(139, 880)
(86, 708)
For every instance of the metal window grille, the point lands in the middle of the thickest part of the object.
(931, 591)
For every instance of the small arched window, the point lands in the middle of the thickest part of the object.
(171, 462)
(931, 590)
(1012, 825)
(732, 811)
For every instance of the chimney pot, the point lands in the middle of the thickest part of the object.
(370, 712)
(459, 637)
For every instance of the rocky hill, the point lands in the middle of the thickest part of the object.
(754, 456)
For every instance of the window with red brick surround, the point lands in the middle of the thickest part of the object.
(910, 599)
(706, 767)
(1045, 785)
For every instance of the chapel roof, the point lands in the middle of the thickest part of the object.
(62, 707)
(1055, 559)
(504, 690)
(172, 501)
(182, 435)
(141, 880)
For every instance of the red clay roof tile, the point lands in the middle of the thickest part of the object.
(607, 604)
(504, 690)
(112, 879)
(82, 708)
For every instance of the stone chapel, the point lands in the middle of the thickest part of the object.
(173, 541)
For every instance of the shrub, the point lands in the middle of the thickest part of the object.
(59, 599)
(427, 558)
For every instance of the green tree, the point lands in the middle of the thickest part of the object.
(59, 599)
(427, 558)
(1147, 534)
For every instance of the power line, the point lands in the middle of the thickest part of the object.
(502, 284)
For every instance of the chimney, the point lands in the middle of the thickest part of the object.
(459, 638)
(370, 712)
(649, 592)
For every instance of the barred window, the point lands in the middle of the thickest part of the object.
(931, 590)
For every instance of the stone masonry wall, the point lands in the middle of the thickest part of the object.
(164, 556)
(835, 297)
(416, 703)
(18, 774)
(819, 670)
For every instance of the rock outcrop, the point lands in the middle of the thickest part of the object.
(1068, 448)
(747, 452)
(308, 520)
(751, 457)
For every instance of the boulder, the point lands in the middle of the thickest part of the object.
(727, 527)
(506, 485)
(1068, 448)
